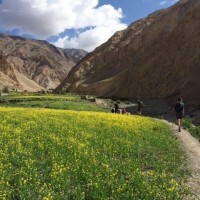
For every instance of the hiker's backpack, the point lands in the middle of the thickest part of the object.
(140, 104)
(179, 107)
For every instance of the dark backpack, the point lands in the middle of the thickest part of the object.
(112, 110)
(140, 105)
(179, 107)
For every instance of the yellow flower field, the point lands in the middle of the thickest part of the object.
(56, 154)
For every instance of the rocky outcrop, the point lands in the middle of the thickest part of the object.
(7, 75)
(36, 64)
(75, 54)
(155, 57)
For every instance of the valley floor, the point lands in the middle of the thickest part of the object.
(153, 108)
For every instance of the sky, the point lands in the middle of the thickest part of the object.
(80, 24)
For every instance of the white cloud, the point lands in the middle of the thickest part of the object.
(163, 3)
(45, 18)
(89, 39)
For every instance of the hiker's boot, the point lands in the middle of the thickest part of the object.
(179, 130)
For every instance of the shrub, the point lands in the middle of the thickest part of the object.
(5, 90)
(187, 123)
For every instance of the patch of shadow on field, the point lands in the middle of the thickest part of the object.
(161, 109)
(154, 108)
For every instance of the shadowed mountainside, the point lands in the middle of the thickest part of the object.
(155, 57)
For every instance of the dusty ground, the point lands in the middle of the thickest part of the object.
(192, 149)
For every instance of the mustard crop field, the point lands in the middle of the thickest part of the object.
(57, 154)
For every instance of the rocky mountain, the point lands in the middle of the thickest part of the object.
(75, 54)
(33, 64)
(7, 75)
(155, 57)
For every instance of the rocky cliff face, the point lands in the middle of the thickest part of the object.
(155, 57)
(7, 75)
(35, 64)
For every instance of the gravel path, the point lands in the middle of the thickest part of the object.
(192, 149)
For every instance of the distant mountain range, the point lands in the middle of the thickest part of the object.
(155, 57)
(32, 65)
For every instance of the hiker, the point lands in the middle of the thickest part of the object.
(124, 111)
(116, 109)
(113, 110)
(179, 109)
(139, 107)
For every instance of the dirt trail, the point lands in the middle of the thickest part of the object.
(192, 149)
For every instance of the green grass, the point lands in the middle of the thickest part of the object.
(194, 130)
(56, 154)
(64, 102)
(42, 97)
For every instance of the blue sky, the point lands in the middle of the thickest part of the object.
(137, 9)
(81, 24)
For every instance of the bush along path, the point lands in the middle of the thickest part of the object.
(192, 149)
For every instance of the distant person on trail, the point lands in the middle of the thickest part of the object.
(113, 110)
(116, 109)
(124, 111)
(179, 109)
(119, 110)
(139, 107)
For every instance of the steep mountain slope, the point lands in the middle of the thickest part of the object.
(155, 57)
(7, 75)
(35, 64)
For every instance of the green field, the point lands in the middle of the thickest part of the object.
(194, 130)
(64, 102)
(57, 154)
